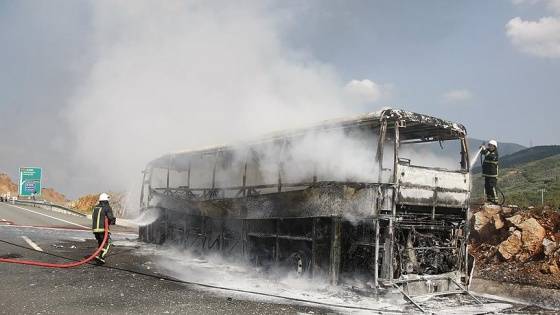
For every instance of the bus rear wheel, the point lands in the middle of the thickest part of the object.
(299, 261)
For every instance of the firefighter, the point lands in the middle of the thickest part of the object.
(490, 170)
(101, 211)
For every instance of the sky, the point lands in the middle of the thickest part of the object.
(91, 91)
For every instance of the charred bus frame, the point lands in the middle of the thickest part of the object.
(403, 226)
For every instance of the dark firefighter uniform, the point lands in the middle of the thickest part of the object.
(490, 172)
(101, 211)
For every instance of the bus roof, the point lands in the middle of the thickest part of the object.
(412, 126)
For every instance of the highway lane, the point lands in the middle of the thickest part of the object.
(127, 284)
(23, 214)
(43, 229)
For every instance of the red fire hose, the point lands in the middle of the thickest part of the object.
(42, 264)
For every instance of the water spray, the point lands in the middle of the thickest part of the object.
(476, 156)
(146, 217)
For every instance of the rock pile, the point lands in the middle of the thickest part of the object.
(513, 243)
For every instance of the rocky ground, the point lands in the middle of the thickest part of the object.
(519, 246)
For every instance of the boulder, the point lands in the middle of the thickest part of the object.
(509, 248)
(551, 267)
(555, 268)
(532, 235)
(498, 221)
(485, 227)
(549, 246)
(515, 220)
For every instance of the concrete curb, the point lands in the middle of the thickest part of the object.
(547, 298)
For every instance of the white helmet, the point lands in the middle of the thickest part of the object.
(103, 197)
(493, 142)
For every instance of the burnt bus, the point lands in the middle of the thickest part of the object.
(380, 199)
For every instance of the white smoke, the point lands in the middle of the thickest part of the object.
(333, 156)
(178, 75)
(181, 74)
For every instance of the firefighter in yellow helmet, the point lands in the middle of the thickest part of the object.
(101, 211)
(490, 170)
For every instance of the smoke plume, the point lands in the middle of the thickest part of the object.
(175, 75)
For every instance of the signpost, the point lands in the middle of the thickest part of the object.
(30, 181)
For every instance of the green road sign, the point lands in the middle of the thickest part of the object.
(30, 181)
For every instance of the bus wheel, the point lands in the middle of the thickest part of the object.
(300, 261)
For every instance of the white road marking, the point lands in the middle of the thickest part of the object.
(87, 227)
(30, 242)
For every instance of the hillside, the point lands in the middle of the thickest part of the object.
(450, 150)
(505, 148)
(6, 186)
(47, 194)
(85, 204)
(119, 203)
(523, 156)
(523, 177)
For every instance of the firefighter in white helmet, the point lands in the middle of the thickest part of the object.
(101, 211)
(490, 170)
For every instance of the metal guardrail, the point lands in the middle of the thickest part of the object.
(49, 206)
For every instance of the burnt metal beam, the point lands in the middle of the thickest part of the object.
(335, 257)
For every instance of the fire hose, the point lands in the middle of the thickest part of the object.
(42, 264)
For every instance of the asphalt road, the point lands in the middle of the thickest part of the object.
(28, 215)
(127, 284)
(131, 283)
